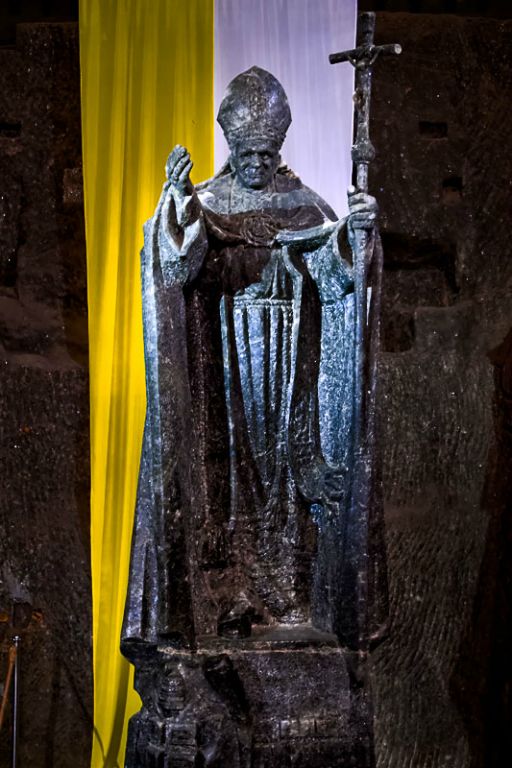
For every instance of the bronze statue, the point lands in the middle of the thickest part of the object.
(258, 514)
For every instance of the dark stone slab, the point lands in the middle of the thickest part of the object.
(252, 703)
(484, 663)
(44, 408)
(443, 174)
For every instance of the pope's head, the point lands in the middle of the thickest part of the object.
(255, 161)
(255, 116)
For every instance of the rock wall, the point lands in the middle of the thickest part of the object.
(442, 176)
(44, 408)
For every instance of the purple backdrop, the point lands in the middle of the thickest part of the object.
(292, 39)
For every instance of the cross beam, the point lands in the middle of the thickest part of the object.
(362, 59)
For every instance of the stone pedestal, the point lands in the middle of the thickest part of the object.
(288, 696)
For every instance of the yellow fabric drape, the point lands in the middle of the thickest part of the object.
(147, 83)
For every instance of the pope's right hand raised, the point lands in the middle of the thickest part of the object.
(178, 169)
(182, 240)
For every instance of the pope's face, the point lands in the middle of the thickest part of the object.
(255, 162)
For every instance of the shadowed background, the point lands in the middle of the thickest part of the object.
(442, 680)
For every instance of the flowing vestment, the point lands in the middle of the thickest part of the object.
(251, 488)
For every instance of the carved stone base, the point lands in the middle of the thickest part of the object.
(283, 697)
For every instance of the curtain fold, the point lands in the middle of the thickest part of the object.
(147, 84)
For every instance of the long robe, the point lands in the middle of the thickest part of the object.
(254, 487)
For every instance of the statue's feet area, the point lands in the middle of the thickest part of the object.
(283, 698)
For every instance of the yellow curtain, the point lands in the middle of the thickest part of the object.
(147, 83)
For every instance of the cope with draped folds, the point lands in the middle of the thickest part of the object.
(255, 505)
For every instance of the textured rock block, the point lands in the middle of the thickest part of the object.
(44, 410)
(251, 703)
(442, 175)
